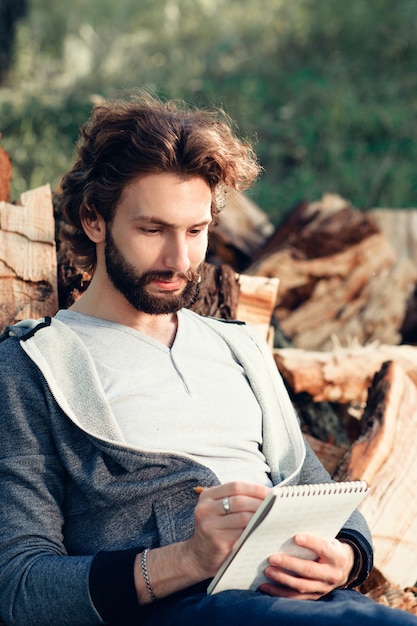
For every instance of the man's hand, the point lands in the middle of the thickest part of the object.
(218, 526)
(302, 579)
(216, 531)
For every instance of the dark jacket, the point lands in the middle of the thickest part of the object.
(77, 502)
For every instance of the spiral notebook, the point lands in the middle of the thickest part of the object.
(319, 509)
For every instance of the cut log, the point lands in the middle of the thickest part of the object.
(218, 292)
(231, 296)
(257, 299)
(313, 228)
(28, 267)
(339, 278)
(400, 227)
(329, 454)
(5, 175)
(383, 591)
(342, 375)
(384, 393)
(241, 231)
(385, 457)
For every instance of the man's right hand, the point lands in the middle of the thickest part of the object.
(216, 530)
(218, 525)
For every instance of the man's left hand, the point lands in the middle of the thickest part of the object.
(302, 579)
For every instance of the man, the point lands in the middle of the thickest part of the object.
(116, 409)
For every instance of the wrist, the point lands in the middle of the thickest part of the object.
(144, 566)
(141, 585)
(163, 571)
(356, 564)
(194, 563)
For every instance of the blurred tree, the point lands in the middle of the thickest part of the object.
(10, 12)
(328, 88)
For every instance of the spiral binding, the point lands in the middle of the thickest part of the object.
(323, 489)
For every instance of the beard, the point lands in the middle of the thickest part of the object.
(132, 285)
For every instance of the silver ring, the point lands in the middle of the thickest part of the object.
(226, 505)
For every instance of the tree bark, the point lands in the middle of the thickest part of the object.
(5, 175)
(257, 299)
(342, 375)
(28, 267)
(385, 457)
(339, 277)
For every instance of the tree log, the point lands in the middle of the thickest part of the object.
(256, 304)
(400, 228)
(378, 588)
(339, 278)
(385, 457)
(28, 267)
(5, 175)
(241, 231)
(330, 455)
(342, 375)
(218, 292)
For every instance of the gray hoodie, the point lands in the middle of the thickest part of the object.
(71, 487)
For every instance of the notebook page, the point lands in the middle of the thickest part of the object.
(315, 509)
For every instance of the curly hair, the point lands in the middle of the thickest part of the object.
(127, 138)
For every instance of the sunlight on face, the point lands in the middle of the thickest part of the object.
(157, 242)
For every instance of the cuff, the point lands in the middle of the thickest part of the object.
(112, 586)
(363, 556)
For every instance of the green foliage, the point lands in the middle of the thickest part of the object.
(10, 12)
(327, 88)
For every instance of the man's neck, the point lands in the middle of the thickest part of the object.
(110, 305)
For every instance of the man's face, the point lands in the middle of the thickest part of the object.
(158, 240)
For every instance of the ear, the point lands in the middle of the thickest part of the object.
(93, 224)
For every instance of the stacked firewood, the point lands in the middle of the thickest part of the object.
(333, 291)
(345, 323)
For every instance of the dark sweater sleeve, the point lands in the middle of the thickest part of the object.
(112, 586)
(113, 593)
(363, 555)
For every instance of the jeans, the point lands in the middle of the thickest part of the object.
(239, 608)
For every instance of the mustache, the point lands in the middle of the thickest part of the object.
(190, 276)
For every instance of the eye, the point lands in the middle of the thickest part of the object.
(150, 231)
(197, 231)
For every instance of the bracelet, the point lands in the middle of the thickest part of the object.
(145, 574)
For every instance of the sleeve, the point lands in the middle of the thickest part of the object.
(363, 556)
(112, 586)
(39, 583)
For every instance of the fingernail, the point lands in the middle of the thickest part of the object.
(275, 560)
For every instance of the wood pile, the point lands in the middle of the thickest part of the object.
(344, 313)
(345, 322)
(339, 296)
(340, 278)
(28, 277)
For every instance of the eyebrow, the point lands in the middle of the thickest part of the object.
(157, 220)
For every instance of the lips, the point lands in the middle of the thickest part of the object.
(168, 285)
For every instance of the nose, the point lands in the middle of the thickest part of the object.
(176, 257)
